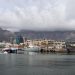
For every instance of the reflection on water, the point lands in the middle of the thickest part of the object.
(37, 64)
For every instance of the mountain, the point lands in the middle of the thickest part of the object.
(55, 35)
(5, 35)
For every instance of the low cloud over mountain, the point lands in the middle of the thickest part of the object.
(6, 35)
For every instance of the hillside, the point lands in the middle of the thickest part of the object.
(56, 35)
(5, 35)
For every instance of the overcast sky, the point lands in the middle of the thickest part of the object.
(37, 14)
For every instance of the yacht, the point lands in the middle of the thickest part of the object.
(32, 48)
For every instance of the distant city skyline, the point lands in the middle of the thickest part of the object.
(37, 14)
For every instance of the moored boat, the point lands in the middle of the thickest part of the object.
(9, 50)
(32, 48)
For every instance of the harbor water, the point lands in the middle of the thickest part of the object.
(37, 64)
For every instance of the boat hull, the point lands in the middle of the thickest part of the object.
(33, 49)
(9, 50)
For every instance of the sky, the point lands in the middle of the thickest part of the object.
(50, 15)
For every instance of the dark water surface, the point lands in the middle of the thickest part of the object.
(37, 64)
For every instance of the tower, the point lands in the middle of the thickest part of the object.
(19, 39)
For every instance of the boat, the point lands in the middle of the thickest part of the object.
(32, 48)
(9, 50)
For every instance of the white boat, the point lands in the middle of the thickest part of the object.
(32, 48)
(5, 52)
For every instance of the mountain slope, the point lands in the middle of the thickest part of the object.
(56, 35)
(5, 35)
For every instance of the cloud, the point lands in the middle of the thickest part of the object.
(37, 14)
(70, 9)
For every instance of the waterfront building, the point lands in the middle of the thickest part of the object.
(59, 45)
(19, 39)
